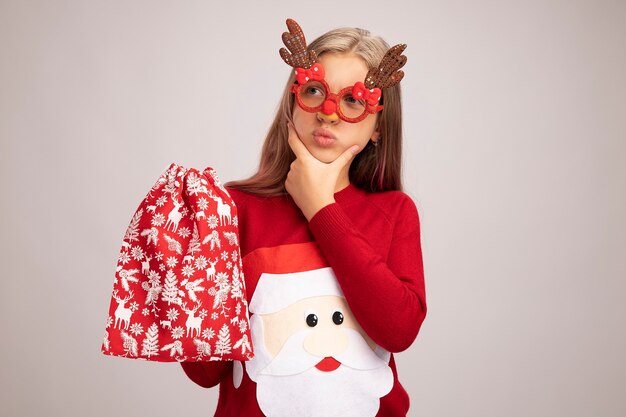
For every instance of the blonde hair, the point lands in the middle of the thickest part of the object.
(375, 168)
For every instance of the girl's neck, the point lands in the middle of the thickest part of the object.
(344, 178)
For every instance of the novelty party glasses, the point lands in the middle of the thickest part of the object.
(351, 104)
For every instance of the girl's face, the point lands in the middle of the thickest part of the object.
(341, 70)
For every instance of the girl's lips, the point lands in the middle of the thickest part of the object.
(323, 140)
(323, 132)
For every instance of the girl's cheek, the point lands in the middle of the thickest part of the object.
(296, 116)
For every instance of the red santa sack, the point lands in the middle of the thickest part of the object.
(179, 291)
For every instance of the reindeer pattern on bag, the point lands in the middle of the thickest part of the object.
(179, 289)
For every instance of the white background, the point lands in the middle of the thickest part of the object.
(515, 153)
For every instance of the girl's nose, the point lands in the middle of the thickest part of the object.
(329, 112)
(331, 117)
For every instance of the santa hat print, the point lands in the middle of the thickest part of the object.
(282, 275)
(179, 291)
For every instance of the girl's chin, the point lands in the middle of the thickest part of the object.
(325, 155)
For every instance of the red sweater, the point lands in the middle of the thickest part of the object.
(372, 243)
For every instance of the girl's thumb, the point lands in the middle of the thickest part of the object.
(346, 157)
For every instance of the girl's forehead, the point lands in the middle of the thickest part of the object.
(342, 70)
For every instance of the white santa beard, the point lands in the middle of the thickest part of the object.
(344, 392)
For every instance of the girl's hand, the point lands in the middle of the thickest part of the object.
(310, 182)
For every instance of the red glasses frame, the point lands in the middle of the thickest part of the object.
(331, 102)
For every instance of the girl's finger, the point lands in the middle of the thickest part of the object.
(346, 157)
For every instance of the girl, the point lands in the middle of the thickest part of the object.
(330, 244)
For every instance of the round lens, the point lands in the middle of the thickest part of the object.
(351, 107)
(312, 94)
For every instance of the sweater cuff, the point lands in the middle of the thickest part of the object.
(329, 222)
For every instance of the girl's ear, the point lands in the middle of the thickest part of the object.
(376, 133)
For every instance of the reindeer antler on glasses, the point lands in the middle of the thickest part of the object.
(388, 72)
(296, 43)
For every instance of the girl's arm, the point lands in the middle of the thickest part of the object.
(387, 298)
(207, 374)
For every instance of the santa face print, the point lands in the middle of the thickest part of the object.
(341, 70)
(311, 356)
(323, 317)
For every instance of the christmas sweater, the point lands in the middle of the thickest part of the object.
(330, 301)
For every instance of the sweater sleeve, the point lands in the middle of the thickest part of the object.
(206, 374)
(387, 298)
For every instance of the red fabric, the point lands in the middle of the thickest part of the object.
(179, 293)
(372, 243)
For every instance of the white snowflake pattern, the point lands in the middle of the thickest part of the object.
(109, 322)
(224, 255)
(159, 256)
(184, 211)
(203, 313)
(208, 334)
(184, 232)
(201, 262)
(215, 176)
(238, 308)
(137, 253)
(133, 306)
(161, 201)
(203, 203)
(221, 279)
(153, 277)
(136, 329)
(188, 270)
(145, 311)
(171, 261)
(177, 332)
(172, 314)
(243, 326)
(212, 221)
(234, 255)
(123, 258)
(157, 219)
(161, 267)
(235, 221)
(214, 316)
(229, 265)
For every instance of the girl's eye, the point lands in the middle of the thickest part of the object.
(353, 102)
(313, 87)
(313, 90)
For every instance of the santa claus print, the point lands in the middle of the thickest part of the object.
(312, 358)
